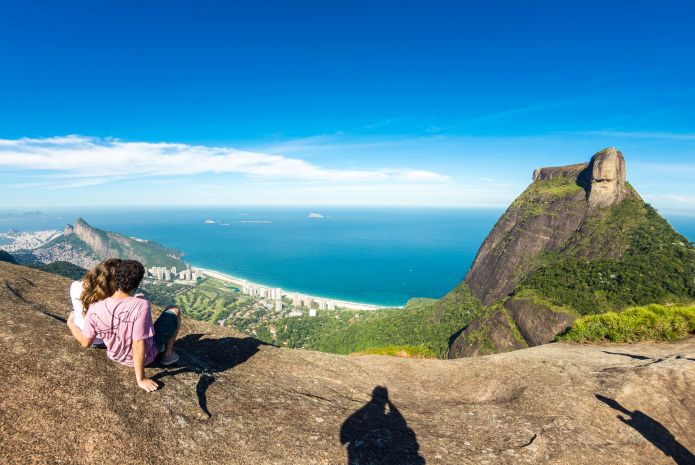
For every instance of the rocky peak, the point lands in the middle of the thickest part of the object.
(92, 237)
(607, 178)
(543, 219)
(68, 230)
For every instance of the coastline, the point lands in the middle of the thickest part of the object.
(345, 304)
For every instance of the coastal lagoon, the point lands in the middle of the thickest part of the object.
(381, 256)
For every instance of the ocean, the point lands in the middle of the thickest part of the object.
(382, 256)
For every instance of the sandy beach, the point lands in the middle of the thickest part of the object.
(239, 281)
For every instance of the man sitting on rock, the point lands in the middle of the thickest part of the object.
(124, 323)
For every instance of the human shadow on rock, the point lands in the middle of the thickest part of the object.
(207, 357)
(652, 431)
(377, 434)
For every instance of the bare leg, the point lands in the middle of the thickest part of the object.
(169, 347)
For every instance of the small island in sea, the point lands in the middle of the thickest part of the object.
(315, 215)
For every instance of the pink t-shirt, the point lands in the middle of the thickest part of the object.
(119, 322)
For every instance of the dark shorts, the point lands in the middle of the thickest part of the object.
(164, 328)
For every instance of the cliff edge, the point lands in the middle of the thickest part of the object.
(234, 400)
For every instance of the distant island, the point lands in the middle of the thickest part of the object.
(315, 215)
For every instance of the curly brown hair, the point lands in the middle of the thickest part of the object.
(129, 273)
(99, 282)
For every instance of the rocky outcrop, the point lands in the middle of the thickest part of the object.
(607, 178)
(569, 171)
(495, 333)
(68, 229)
(233, 400)
(543, 219)
(538, 323)
(97, 240)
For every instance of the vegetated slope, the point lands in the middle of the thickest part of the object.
(653, 323)
(6, 257)
(65, 269)
(422, 322)
(84, 245)
(61, 268)
(233, 400)
(658, 264)
(579, 240)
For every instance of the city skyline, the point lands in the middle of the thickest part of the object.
(437, 104)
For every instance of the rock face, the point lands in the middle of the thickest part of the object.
(543, 219)
(97, 240)
(486, 336)
(233, 400)
(84, 245)
(607, 178)
(543, 174)
(537, 323)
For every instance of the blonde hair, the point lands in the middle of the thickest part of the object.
(98, 283)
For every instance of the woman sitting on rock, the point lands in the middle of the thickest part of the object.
(96, 285)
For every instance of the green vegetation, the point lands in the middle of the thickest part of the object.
(61, 268)
(210, 301)
(162, 295)
(399, 351)
(559, 186)
(74, 243)
(6, 257)
(657, 266)
(533, 295)
(423, 322)
(651, 323)
(218, 302)
(151, 253)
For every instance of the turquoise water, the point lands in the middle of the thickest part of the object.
(379, 256)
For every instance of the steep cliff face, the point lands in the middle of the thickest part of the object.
(543, 219)
(84, 245)
(96, 239)
(578, 240)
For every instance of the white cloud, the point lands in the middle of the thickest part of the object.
(97, 159)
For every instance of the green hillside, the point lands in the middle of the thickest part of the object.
(657, 266)
(650, 323)
(61, 268)
(6, 257)
(423, 322)
(103, 244)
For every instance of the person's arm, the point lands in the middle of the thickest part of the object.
(139, 366)
(77, 332)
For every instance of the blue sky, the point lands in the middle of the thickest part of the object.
(352, 103)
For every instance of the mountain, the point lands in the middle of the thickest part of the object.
(84, 246)
(233, 400)
(579, 240)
